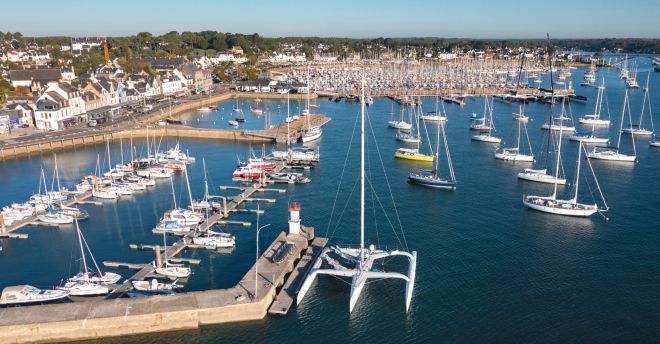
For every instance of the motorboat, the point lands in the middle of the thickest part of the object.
(84, 288)
(312, 134)
(183, 217)
(25, 294)
(154, 286)
(55, 218)
(233, 123)
(215, 239)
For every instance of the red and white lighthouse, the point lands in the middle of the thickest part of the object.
(294, 218)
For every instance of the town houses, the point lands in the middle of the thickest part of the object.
(57, 98)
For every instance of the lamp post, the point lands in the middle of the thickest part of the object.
(256, 261)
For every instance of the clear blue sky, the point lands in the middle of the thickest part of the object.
(339, 18)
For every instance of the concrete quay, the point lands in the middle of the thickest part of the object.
(184, 311)
(64, 142)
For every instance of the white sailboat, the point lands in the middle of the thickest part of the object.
(408, 136)
(557, 123)
(172, 270)
(486, 124)
(312, 133)
(514, 154)
(595, 119)
(435, 116)
(570, 207)
(520, 115)
(362, 259)
(401, 124)
(638, 129)
(541, 175)
(81, 284)
(613, 153)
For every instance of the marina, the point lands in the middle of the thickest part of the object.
(219, 290)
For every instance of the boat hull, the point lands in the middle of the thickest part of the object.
(611, 156)
(514, 157)
(584, 211)
(486, 138)
(594, 121)
(637, 132)
(540, 178)
(415, 157)
(432, 183)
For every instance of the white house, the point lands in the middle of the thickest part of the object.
(58, 107)
(171, 84)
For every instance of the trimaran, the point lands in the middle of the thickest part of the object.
(360, 260)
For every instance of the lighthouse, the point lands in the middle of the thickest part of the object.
(294, 218)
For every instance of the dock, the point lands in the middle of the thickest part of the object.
(116, 315)
(232, 205)
(184, 311)
(287, 294)
(32, 220)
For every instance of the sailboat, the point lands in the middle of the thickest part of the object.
(430, 178)
(594, 119)
(571, 207)
(172, 270)
(613, 153)
(361, 260)
(541, 175)
(401, 124)
(514, 154)
(413, 153)
(560, 121)
(485, 123)
(312, 133)
(655, 142)
(436, 115)
(520, 115)
(638, 129)
(406, 135)
(81, 284)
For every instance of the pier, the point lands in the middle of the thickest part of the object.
(287, 294)
(32, 220)
(278, 265)
(184, 311)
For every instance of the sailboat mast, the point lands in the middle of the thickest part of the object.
(518, 145)
(185, 171)
(82, 251)
(437, 145)
(288, 120)
(561, 131)
(623, 114)
(362, 176)
(577, 174)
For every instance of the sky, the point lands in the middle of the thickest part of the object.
(338, 18)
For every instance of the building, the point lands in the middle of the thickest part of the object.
(35, 79)
(200, 79)
(163, 64)
(80, 44)
(24, 112)
(172, 85)
(68, 73)
(58, 107)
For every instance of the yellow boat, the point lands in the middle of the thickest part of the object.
(412, 154)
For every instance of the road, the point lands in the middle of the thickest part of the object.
(80, 130)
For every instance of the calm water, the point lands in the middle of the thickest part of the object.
(488, 270)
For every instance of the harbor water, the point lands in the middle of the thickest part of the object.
(489, 269)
